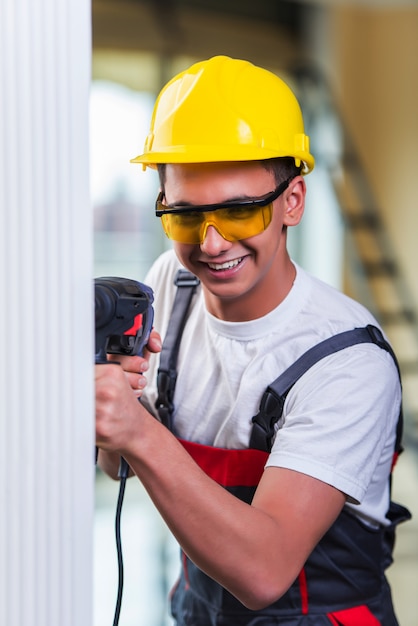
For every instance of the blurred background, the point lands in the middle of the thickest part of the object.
(353, 66)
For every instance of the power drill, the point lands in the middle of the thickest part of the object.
(123, 316)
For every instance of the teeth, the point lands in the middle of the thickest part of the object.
(224, 266)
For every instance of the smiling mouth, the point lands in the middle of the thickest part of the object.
(224, 266)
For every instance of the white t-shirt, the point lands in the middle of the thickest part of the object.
(339, 418)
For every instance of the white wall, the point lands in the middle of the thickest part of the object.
(46, 385)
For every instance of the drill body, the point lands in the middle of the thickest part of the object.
(123, 317)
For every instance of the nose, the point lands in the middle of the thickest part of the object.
(213, 243)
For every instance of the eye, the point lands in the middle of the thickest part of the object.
(188, 219)
(239, 213)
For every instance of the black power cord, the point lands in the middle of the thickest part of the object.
(123, 475)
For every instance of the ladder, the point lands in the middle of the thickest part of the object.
(373, 273)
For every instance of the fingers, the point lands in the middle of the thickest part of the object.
(137, 382)
(154, 342)
(134, 368)
(133, 364)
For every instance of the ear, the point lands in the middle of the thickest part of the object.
(294, 199)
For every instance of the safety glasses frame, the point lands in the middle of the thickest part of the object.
(268, 198)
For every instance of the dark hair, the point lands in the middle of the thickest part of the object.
(161, 168)
(281, 167)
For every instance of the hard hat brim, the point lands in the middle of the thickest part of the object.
(208, 154)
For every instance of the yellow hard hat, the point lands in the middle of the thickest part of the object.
(226, 109)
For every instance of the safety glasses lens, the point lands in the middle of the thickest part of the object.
(232, 223)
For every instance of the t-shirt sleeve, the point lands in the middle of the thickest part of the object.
(340, 420)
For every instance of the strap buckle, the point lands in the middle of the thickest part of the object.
(166, 382)
(376, 335)
(184, 278)
(264, 423)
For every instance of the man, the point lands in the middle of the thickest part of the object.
(307, 544)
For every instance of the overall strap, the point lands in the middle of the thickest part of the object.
(272, 402)
(186, 284)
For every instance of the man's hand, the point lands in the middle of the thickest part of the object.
(118, 388)
(136, 366)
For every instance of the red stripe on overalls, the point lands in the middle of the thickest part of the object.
(394, 460)
(229, 468)
(356, 616)
(303, 589)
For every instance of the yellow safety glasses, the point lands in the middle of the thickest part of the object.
(233, 220)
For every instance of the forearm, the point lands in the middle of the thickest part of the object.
(230, 540)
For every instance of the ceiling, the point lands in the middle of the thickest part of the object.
(261, 31)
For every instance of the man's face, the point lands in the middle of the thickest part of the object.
(241, 279)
